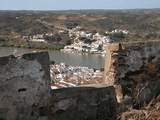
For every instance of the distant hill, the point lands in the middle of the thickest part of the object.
(141, 22)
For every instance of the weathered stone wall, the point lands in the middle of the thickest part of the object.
(25, 93)
(24, 86)
(84, 103)
(135, 67)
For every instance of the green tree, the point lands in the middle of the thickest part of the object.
(54, 38)
(117, 36)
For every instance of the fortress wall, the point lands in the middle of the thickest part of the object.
(25, 93)
(134, 67)
(24, 86)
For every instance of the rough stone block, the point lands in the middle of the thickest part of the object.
(84, 103)
(24, 86)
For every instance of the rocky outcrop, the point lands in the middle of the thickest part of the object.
(136, 68)
(24, 86)
(84, 103)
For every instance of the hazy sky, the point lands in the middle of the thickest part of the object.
(76, 4)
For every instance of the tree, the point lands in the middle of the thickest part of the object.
(71, 24)
(117, 36)
(53, 38)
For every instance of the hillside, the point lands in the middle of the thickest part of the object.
(144, 24)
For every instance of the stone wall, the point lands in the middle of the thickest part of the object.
(25, 93)
(84, 103)
(135, 67)
(24, 86)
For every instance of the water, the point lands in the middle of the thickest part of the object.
(88, 60)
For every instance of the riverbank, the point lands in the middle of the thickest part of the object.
(31, 45)
(44, 46)
(74, 59)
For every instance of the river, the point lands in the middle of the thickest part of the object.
(88, 60)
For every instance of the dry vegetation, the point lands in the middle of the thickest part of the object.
(143, 24)
(151, 112)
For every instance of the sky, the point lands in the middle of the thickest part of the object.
(76, 4)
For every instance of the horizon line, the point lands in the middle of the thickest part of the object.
(77, 9)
